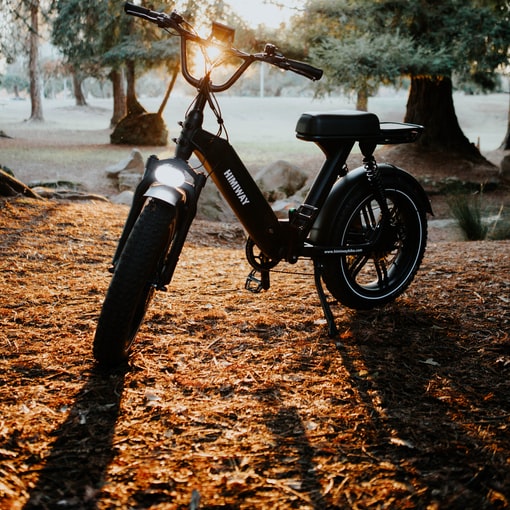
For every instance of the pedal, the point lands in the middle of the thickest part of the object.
(255, 284)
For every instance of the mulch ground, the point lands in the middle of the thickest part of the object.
(238, 401)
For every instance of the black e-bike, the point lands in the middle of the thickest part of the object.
(365, 229)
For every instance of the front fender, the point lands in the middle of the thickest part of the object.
(358, 177)
(171, 196)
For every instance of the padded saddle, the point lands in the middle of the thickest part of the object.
(354, 125)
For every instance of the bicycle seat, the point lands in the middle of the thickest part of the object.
(337, 124)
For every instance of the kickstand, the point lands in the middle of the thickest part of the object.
(328, 314)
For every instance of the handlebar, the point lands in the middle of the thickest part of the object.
(175, 21)
(161, 19)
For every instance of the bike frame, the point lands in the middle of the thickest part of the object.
(179, 185)
(277, 239)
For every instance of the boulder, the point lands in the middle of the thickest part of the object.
(124, 198)
(128, 180)
(212, 206)
(280, 180)
(132, 164)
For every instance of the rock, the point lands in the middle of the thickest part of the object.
(128, 172)
(124, 198)
(282, 207)
(280, 180)
(128, 180)
(134, 163)
(212, 206)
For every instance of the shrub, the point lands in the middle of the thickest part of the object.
(468, 213)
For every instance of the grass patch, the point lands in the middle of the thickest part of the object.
(474, 224)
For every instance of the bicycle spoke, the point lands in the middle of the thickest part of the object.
(359, 263)
(370, 221)
(382, 272)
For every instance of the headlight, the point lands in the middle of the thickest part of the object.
(169, 175)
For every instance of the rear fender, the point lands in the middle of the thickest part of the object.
(346, 185)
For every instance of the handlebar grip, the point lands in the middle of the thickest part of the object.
(137, 10)
(313, 73)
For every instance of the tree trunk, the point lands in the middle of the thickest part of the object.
(175, 74)
(119, 96)
(506, 142)
(33, 64)
(362, 99)
(132, 104)
(430, 104)
(78, 92)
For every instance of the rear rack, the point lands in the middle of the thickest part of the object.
(398, 132)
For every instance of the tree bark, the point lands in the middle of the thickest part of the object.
(78, 92)
(430, 104)
(362, 99)
(506, 142)
(33, 64)
(132, 104)
(173, 79)
(119, 96)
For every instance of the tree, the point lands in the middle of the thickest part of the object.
(76, 32)
(23, 18)
(140, 47)
(361, 63)
(467, 39)
(355, 59)
(473, 41)
(33, 63)
(506, 141)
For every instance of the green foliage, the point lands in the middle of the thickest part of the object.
(362, 62)
(380, 40)
(97, 34)
(468, 214)
(14, 82)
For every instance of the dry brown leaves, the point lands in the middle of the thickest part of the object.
(241, 401)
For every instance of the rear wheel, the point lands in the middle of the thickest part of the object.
(365, 281)
(132, 285)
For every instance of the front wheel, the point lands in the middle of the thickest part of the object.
(133, 283)
(374, 278)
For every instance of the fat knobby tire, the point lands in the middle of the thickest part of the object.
(132, 284)
(374, 279)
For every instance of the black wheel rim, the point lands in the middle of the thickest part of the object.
(387, 268)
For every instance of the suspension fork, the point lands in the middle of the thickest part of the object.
(185, 216)
(136, 206)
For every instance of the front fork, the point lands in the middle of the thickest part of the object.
(136, 207)
(184, 199)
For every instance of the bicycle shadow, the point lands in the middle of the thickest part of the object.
(407, 369)
(412, 381)
(291, 441)
(75, 469)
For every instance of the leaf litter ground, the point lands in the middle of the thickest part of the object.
(239, 401)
